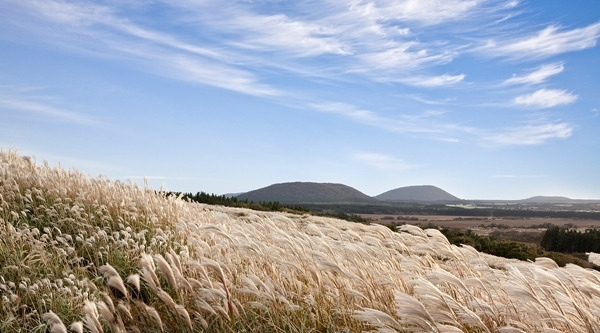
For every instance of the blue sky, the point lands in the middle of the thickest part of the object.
(484, 99)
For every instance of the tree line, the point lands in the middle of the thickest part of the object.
(571, 241)
(516, 250)
(273, 206)
(214, 199)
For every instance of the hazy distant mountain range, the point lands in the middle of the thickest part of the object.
(547, 199)
(310, 192)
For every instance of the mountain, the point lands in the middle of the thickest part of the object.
(549, 199)
(306, 192)
(420, 193)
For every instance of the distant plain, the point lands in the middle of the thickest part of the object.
(519, 229)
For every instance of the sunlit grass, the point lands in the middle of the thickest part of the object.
(89, 254)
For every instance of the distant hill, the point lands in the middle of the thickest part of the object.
(420, 193)
(549, 199)
(306, 192)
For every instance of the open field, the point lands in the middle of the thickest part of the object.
(527, 230)
(477, 222)
(91, 255)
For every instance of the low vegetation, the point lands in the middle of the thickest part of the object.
(87, 254)
(564, 239)
(214, 199)
(269, 206)
(514, 249)
(585, 211)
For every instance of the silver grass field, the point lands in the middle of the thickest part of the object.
(81, 254)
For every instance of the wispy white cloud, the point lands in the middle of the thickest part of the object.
(371, 39)
(161, 39)
(435, 81)
(427, 12)
(371, 118)
(427, 124)
(545, 98)
(31, 105)
(532, 134)
(297, 37)
(80, 14)
(383, 162)
(547, 42)
(400, 57)
(151, 50)
(240, 46)
(538, 76)
(513, 3)
(430, 114)
(429, 101)
(201, 71)
(350, 111)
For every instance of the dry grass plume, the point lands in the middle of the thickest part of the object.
(68, 239)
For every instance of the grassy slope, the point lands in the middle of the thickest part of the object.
(109, 256)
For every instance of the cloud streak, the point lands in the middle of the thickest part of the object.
(538, 76)
(383, 162)
(295, 37)
(532, 134)
(48, 111)
(430, 125)
(426, 12)
(548, 42)
(545, 98)
(371, 118)
(200, 71)
(436, 81)
(147, 48)
(365, 39)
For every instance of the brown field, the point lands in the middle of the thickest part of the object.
(528, 230)
(473, 222)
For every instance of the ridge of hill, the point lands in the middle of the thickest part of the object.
(306, 192)
(328, 193)
(418, 193)
(550, 199)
